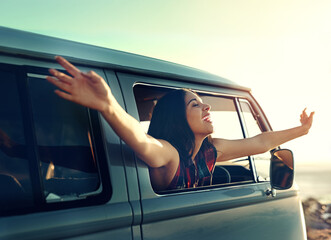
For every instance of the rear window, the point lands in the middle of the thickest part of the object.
(64, 143)
(15, 177)
(47, 146)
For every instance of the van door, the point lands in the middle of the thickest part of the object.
(61, 168)
(235, 207)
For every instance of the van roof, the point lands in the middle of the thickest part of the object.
(17, 42)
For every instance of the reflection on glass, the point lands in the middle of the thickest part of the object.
(65, 149)
(15, 181)
(282, 169)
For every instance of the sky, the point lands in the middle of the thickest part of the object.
(280, 49)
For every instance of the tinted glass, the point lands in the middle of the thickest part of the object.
(68, 165)
(15, 182)
(282, 169)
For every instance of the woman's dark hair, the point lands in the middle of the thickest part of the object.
(169, 123)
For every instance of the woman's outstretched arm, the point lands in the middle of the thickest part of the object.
(91, 90)
(231, 149)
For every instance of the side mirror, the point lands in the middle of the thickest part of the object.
(282, 169)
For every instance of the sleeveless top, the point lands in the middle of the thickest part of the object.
(198, 172)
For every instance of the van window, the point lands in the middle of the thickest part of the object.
(146, 98)
(47, 147)
(15, 181)
(65, 150)
(226, 123)
(262, 161)
(224, 114)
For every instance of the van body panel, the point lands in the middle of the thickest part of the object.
(269, 220)
(179, 204)
(113, 234)
(68, 223)
(127, 157)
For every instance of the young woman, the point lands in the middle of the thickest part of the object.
(177, 148)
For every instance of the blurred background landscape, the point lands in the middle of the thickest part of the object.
(314, 182)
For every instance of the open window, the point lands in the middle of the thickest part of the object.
(226, 121)
(227, 125)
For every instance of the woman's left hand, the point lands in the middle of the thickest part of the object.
(306, 121)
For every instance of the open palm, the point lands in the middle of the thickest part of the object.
(306, 120)
(87, 89)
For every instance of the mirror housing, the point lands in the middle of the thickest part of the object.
(282, 169)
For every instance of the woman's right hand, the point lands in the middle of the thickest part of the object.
(87, 89)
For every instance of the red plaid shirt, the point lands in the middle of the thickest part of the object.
(198, 174)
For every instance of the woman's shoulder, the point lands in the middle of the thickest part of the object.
(208, 145)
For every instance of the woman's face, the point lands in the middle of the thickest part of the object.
(198, 116)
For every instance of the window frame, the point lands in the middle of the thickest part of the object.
(236, 99)
(97, 138)
(262, 128)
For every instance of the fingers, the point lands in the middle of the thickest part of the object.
(75, 72)
(62, 85)
(61, 76)
(67, 66)
(64, 95)
(311, 115)
(92, 76)
(305, 119)
(305, 115)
